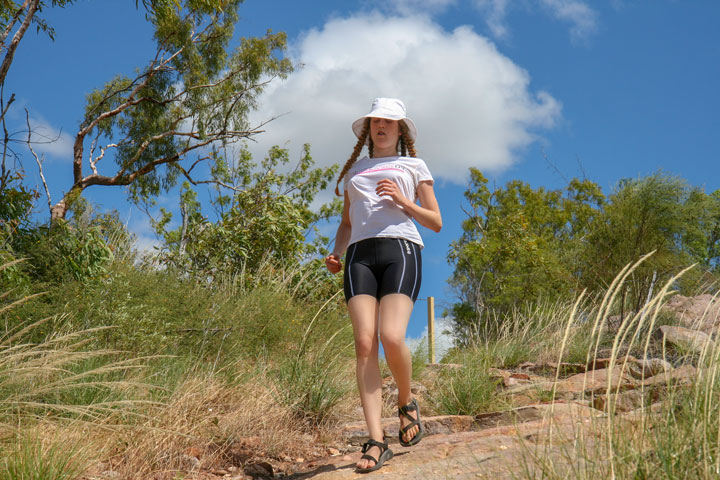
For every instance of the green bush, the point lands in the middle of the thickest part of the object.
(37, 459)
(468, 390)
(314, 381)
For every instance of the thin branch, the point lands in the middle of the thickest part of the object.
(38, 160)
(93, 164)
(6, 138)
(16, 39)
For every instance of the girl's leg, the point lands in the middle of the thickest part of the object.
(395, 310)
(363, 311)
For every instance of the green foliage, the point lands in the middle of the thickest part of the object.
(81, 248)
(265, 218)
(154, 312)
(468, 390)
(38, 459)
(312, 385)
(419, 359)
(16, 204)
(9, 9)
(521, 245)
(659, 213)
(194, 96)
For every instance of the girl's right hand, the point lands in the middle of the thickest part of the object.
(333, 263)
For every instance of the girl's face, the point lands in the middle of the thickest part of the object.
(384, 134)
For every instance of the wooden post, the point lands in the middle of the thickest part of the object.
(431, 329)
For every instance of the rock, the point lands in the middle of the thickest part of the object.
(601, 363)
(683, 375)
(645, 368)
(355, 433)
(685, 338)
(508, 417)
(496, 452)
(626, 401)
(259, 469)
(578, 385)
(699, 313)
(552, 367)
(333, 451)
(595, 380)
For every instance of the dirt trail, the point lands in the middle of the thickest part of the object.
(498, 452)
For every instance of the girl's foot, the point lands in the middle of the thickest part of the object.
(374, 455)
(411, 431)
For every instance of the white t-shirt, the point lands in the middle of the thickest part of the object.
(374, 216)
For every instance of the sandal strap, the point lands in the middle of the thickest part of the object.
(370, 457)
(370, 443)
(410, 407)
(407, 427)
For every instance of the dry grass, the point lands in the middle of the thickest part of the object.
(675, 438)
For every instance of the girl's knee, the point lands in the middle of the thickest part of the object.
(365, 348)
(392, 343)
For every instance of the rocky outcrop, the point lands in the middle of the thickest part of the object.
(701, 312)
(687, 339)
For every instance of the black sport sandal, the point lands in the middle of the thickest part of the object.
(403, 411)
(385, 454)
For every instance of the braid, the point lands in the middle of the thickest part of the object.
(356, 152)
(406, 141)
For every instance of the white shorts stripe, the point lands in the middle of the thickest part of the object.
(412, 295)
(403, 272)
(352, 292)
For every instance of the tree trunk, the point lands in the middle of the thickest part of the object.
(58, 211)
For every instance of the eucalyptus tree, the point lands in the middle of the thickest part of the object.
(192, 97)
(519, 244)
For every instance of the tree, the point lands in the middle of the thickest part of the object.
(263, 217)
(191, 98)
(519, 244)
(659, 213)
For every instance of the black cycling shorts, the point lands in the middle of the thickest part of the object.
(379, 266)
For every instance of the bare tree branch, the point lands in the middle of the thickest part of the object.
(38, 160)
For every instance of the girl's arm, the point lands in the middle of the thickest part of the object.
(342, 238)
(427, 213)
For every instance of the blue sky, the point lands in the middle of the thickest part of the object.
(537, 90)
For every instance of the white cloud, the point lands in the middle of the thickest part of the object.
(443, 338)
(495, 11)
(138, 224)
(50, 141)
(582, 18)
(410, 7)
(471, 104)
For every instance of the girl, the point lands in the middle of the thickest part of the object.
(383, 262)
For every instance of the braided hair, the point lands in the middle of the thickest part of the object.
(405, 145)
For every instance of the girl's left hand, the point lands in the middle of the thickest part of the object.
(389, 188)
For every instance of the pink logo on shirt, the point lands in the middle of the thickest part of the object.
(372, 170)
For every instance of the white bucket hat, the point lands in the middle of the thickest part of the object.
(390, 108)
